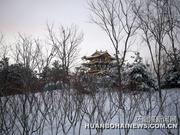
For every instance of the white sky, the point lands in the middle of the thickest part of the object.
(30, 17)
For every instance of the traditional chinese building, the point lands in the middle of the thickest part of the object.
(99, 62)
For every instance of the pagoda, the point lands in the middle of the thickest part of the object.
(99, 62)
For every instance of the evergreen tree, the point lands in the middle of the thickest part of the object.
(15, 78)
(136, 75)
(172, 75)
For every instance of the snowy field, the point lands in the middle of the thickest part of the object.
(66, 113)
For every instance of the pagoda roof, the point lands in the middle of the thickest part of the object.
(98, 54)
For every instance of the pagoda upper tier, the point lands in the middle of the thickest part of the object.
(99, 62)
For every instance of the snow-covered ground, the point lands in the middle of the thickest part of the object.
(64, 112)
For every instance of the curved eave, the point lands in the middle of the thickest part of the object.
(96, 63)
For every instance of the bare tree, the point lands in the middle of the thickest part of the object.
(173, 29)
(45, 56)
(26, 51)
(3, 47)
(66, 43)
(153, 22)
(115, 18)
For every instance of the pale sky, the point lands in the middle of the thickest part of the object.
(30, 17)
